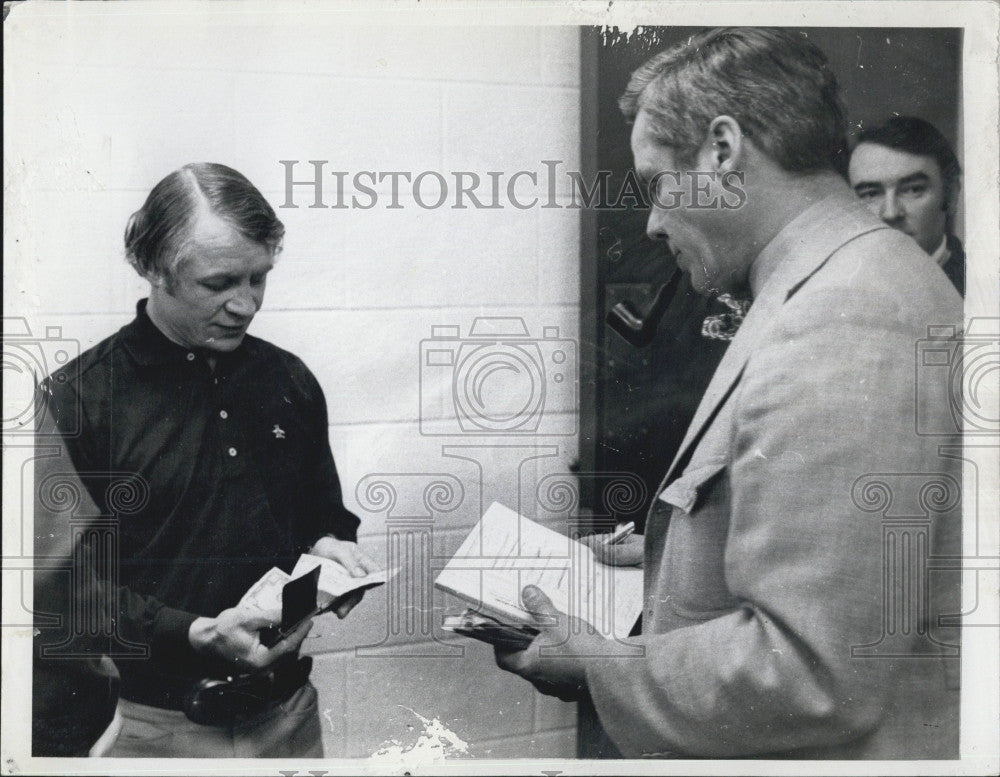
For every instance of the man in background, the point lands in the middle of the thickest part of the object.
(908, 175)
(226, 438)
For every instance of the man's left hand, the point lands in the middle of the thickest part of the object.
(353, 559)
(569, 642)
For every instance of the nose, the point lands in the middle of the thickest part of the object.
(655, 227)
(891, 208)
(244, 303)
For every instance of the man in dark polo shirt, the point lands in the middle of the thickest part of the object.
(229, 435)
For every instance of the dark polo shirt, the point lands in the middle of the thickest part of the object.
(234, 469)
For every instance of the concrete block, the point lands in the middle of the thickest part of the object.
(504, 470)
(383, 258)
(539, 123)
(71, 227)
(303, 285)
(471, 54)
(140, 88)
(548, 744)
(505, 383)
(354, 124)
(369, 364)
(143, 148)
(53, 152)
(329, 675)
(147, 35)
(552, 713)
(389, 696)
(558, 257)
(402, 618)
(560, 55)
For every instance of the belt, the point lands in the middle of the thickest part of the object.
(217, 701)
(221, 702)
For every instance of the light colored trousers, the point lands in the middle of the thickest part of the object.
(290, 730)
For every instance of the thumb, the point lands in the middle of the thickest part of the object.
(539, 605)
(252, 620)
(293, 640)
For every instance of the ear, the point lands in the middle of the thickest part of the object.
(722, 149)
(156, 279)
(159, 282)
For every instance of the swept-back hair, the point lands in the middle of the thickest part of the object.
(916, 136)
(774, 82)
(156, 235)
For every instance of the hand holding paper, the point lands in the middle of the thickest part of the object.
(337, 589)
(560, 671)
(354, 560)
(347, 554)
(264, 596)
(506, 552)
(234, 636)
(624, 552)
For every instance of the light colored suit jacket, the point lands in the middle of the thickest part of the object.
(797, 565)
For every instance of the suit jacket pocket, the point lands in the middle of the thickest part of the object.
(692, 582)
(684, 492)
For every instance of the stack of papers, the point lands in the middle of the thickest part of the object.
(486, 629)
(335, 582)
(506, 551)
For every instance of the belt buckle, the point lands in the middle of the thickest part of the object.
(217, 702)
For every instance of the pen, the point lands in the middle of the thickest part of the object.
(621, 533)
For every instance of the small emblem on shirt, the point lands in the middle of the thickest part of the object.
(278, 432)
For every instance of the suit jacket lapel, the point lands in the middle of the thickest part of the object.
(726, 374)
(798, 251)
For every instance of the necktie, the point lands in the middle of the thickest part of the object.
(725, 325)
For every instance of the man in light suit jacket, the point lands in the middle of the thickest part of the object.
(801, 557)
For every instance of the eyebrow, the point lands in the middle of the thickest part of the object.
(912, 178)
(224, 275)
(915, 178)
(218, 278)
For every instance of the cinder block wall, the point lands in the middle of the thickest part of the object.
(99, 110)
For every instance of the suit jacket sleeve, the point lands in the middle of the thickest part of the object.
(824, 399)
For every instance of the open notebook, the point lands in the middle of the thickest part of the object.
(505, 552)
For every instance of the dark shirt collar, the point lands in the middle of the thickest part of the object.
(150, 347)
(954, 268)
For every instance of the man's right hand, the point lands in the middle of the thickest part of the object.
(234, 635)
(627, 553)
